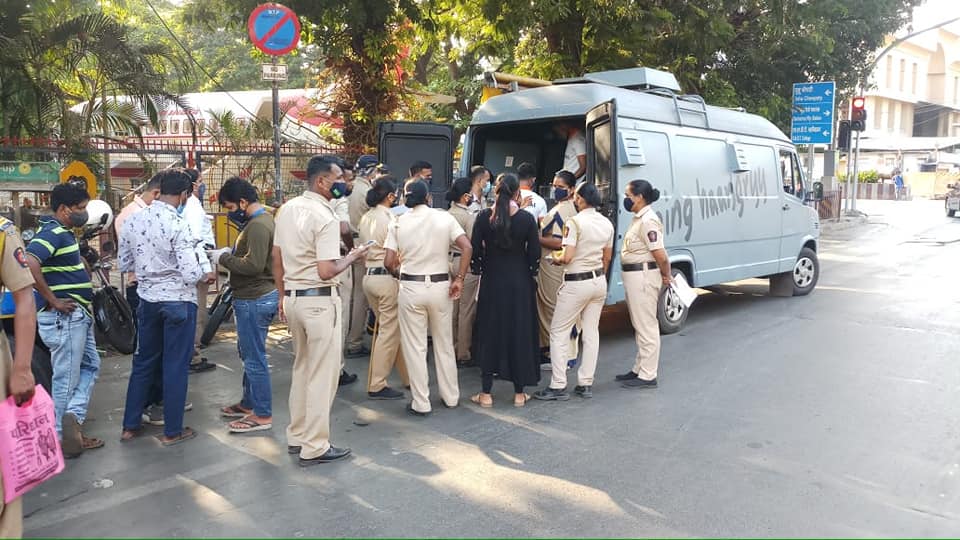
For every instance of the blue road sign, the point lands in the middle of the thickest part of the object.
(274, 29)
(812, 121)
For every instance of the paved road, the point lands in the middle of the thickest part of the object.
(829, 415)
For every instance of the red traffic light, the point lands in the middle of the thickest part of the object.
(859, 102)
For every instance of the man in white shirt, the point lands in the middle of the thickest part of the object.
(530, 200)
(575, 154)
(202, 230)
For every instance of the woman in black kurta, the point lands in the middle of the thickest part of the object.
(506, 254)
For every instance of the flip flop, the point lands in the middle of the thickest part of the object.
(184, 436)
(91, 443)
(483, 404)
(130, 434)
(234, 411)
(249, 426)
(526, 398)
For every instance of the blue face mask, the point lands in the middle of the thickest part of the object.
(560, 194)
(487, 188)
(339, 190)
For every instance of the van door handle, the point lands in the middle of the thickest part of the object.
(785, 207)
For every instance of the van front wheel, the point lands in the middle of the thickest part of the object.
(806, 272)
(671, 313)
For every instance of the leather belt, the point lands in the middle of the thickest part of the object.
(637, 267)
(583, 276)
(316, 291)
(432, 278)
(378, 271)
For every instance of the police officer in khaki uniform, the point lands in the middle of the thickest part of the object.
(15, 372)
(306, 263)
(550, 276)
(465, 309)
(382, 288)
(587, 250)
(417, 247)
(646, 269)
(365, 169)
(341, 207)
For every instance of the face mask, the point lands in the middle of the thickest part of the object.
(560, 193)
(339, 190)
(487, 188)
(78, 219)
(181, 208)
(349, 191)
(238, 217)
(628, 204)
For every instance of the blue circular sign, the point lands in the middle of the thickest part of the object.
(274, 29)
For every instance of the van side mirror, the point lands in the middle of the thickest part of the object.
(817, 194)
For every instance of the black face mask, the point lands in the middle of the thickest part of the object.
(628, 204)
(78, 219)
(238, 217)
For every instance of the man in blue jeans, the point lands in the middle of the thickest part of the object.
(156, 244)
(255, 301)
(65, 320)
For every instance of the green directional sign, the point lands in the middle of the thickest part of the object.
(28, 175)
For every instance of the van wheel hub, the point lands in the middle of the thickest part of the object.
(672, 306)
(804, 272)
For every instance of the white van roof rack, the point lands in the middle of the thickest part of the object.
(632, 79)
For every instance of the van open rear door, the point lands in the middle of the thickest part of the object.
(402, 143)
(602, 154)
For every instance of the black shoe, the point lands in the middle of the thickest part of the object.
(584, 391)
(292, 450)
(386, 393)
(551, 394)
(628, 376)
(640, 383)
(347, 378)
(332, 454)
(357, 353)
(201, 366)
(415, 412)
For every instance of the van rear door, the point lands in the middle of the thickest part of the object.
(402, 143)
(602, 167)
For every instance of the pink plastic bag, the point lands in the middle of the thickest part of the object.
(29, 448)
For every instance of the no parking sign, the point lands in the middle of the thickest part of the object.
(274, 29)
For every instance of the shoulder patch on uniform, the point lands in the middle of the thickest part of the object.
(652, 236)
(20, 257)
(7, 225)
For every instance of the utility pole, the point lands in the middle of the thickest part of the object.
(277, 181)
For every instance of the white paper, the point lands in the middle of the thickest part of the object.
(685, 293)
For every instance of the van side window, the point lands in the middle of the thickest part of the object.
(602, 149)
(791, 174)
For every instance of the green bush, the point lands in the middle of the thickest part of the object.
(864, 177)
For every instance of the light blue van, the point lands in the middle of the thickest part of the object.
(732, 188)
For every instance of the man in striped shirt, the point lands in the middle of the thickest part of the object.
(65, 320)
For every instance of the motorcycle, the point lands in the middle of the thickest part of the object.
(111, 313)
(221, 310)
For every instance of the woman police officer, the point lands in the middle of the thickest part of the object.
(587, 250)
(646, 269)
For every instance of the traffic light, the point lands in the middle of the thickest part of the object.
(858, 114)
(843, 136)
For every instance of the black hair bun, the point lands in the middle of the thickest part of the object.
(655, 195)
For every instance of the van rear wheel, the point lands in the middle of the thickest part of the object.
(671, 313)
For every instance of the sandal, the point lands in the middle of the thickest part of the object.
(248, 425)
(184, 435)
(91, 443)
(130, 434)
(234, 411)
(520, 402)
(201, 366)
(478, 399)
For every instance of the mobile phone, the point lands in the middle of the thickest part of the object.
(370, 242)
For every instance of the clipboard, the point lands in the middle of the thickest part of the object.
(683, 290)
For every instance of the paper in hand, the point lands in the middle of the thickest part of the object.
(683, 290)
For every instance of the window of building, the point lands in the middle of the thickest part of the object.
(892, 116)
(913, 79)
(903, 73)
(956, 84)
(889, 73)
(174, 127)
(163, 127)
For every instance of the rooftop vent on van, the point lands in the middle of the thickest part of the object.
(633, 79)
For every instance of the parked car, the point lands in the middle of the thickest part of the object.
(952, 201)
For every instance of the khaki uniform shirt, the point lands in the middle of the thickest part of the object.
(375, 225)
(590, 232)
(422, 237)
(14, 275)
(307, 231)
(465, 218)
(357, 201)
(644, 235)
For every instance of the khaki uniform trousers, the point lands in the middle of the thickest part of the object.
(381, 292)
(11, 515)
(549, 280)
(583, 301)
(427, 306)
(345, 288)
(315, 323)
(643, 293)
(358, 307)
(464, 312)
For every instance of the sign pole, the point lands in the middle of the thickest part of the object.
(277, 180)
(811, 154)
(856, 175)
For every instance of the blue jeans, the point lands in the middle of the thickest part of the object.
(74, 358)
(155, 397)
(164, 342)
(253, 321)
